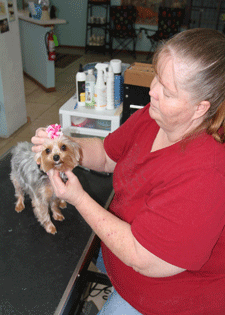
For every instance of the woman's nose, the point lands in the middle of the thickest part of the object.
(153, 89)
(153, 93)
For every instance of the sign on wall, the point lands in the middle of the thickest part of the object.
(11, 11)
(4, 25)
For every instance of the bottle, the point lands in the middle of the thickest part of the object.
(118, 81)
(110, 89)
(80, 86)
(100, 87)
(90, 89)
(118, 92)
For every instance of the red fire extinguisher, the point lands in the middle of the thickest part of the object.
(50, 45)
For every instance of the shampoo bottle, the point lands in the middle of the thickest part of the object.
(110, 89)
(80, 86)
(90, 88)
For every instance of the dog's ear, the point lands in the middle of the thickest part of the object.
(77, 151)
(74, 147)
(37, 158)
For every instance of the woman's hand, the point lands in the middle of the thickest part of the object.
(71, 191)
(39, 139)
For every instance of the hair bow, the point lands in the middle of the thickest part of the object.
(54, 131)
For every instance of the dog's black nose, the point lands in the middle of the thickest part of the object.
(56, 157)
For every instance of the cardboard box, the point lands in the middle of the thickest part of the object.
(140, 74)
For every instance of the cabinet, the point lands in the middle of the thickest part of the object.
(97, 29)
(135, 97)
(88, 121)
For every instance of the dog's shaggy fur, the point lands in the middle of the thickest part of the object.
(30, 178)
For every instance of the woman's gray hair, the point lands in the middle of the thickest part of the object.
(200, 54)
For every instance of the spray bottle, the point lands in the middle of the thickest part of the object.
(80, 86)
(90, 88)
(100, 87)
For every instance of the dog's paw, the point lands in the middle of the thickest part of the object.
(58, 216)
(62, 204)
(50, 228)
(19, 207)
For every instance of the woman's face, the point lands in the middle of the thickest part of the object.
(170, 106)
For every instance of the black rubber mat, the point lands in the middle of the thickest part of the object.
(35, 267)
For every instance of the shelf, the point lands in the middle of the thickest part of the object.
(97, 25)
(98, 2)
(103, 28)
(88, 131)
(98, 49)
(100, 122)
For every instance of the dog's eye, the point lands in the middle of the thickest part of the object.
(47, 151)
(63, 147)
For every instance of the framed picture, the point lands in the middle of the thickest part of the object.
(147, 10)
(2, 8)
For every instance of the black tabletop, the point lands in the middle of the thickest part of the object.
(36, 267)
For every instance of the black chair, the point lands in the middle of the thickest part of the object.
(169, 23)
(122, 29)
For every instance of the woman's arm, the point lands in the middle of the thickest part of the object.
(115, 233)
(93, 154)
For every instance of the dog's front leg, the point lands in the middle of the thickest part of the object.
(19, 196)
(55, 204)
(41, 211)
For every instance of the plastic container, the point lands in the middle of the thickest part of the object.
(80, 86)
(90, 89)
(118, 93)
(100, 92)
(110, 89)
(116, 66)
(118, 81)
(100, 87)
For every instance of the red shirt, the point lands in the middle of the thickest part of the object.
(174, 200)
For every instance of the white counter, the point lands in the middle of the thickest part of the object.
(24, 15)
(34, 52)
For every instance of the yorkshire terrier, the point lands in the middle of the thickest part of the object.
(29, 176)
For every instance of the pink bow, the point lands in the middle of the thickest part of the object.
(54, 131)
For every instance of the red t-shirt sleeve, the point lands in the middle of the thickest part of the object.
(181, 222)
(117, 143)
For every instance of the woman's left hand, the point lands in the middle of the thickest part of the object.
(71, 191)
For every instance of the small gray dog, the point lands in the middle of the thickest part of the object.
(28, 177)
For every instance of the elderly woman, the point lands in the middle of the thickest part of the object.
(163, 240)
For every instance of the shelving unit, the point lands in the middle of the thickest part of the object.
(92, 122)
(97, 29)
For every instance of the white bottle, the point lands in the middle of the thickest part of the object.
(100, 89)
(90, 88)
(110, 89)
(80, 86)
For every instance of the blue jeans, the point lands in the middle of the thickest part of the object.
(115, 305)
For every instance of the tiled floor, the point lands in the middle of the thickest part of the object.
(43, 107)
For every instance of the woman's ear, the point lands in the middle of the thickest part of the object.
(202, 108)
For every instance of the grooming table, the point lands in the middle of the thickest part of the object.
(42, 273)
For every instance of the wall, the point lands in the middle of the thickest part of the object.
(74, 32)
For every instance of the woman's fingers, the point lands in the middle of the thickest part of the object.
(39, 139)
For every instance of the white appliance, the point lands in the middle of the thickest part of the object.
(12, 99)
